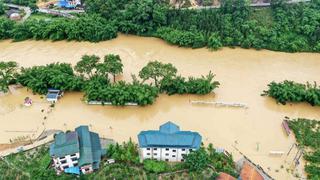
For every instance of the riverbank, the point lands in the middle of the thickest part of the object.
(243, 75)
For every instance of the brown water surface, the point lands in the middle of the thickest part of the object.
(243, 75)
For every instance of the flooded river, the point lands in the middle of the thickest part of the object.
(243, 75)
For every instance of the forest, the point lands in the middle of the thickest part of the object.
(307, 133)
(97, 79)
(292, 92)
(280, 27)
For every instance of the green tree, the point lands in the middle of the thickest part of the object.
(2, 8)
(6, 27)
(197, 160)
(154, 166)
(214, 42)
(157, 71)
(8, 71)
(87, 66)
(112, 64)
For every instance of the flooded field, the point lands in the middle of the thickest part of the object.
(243, 75)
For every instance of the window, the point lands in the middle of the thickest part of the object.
(174, 150)
(74, 159)
(148, 154)
(183, 149)
(63, 161)
(190, 150)
(154, 149)
(167, 159)
(155, 154)
(73, 155)
(182, 160)
(75, 164)
(167, 154)
(167, 149)
(173, 155)
(86, 169)
(148, 149)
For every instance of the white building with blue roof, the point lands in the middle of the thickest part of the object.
(168, 143)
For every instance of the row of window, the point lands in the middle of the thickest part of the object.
(65, 161)
(66, 166)
(167, 149)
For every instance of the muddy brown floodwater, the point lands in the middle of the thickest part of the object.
(243, 75)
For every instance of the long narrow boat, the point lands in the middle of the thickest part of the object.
(285, 126)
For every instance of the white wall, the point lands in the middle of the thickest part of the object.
(164, 154)
(66, 162)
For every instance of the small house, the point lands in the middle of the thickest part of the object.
(76, 152)
(168, 143)
(53, 95)
(70, 4)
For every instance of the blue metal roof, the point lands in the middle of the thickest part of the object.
(90, 147)
(64, 144)
(81, 140)
(169, 135)
(73, 170)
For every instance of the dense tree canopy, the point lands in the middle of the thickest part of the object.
(6, 26)
(179, 85)
(289, 91)
(112, 64)
(8, 71)
(2, 8)
(57, 75)
(87, 66)
(157, 71)
(281, 27)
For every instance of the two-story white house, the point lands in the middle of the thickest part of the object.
(168, 143)
(76, 152)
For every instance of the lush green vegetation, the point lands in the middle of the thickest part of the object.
(179, 85)
(58, 75)
(127, 165)
(120, 92)
(2, 8)
(91, 28)
(281, 27)
(30, 3)
(8, 71)
(6, 26)
(33, 164)
(307, 133)
(289, 91)
(91, 76)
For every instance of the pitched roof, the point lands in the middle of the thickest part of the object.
(169, 135)
(250, 173)
(90, 148)
(225, 176)
(81, 140)
(65, 144)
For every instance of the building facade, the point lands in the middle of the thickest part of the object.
(76, 152)
(168, 143)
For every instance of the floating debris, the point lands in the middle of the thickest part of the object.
(221, 104)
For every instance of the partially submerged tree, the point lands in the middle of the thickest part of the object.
(8, 70)
(157, 71)
(112, 64)
(87, 65)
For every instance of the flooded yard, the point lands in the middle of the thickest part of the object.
(243, 75)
